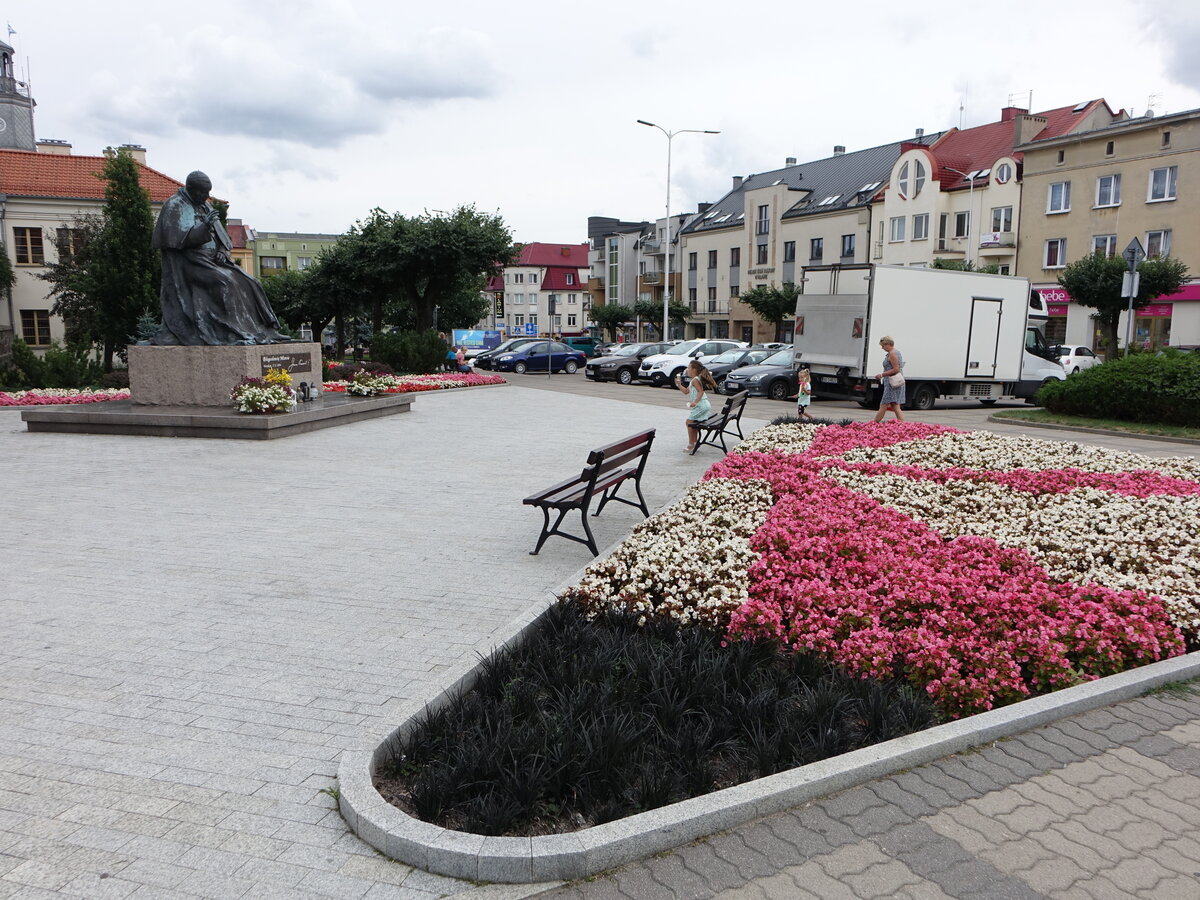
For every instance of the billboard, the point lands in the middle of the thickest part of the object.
(475, 339)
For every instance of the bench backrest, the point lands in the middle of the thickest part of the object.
(733, 407)
(619, 454)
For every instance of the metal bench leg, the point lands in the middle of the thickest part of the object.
(637, 485)
(546, 529)
(591, 541)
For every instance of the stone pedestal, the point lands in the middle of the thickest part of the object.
(204, 376)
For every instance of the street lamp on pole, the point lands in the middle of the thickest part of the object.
(670, 136)
(970, 208)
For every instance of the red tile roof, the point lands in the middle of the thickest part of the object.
(237, 235)
(979, 148)
(24, 173)
(495, 283)
(555, 279)
(569, 255)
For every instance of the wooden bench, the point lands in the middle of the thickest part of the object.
(607, 469)
(716, 426)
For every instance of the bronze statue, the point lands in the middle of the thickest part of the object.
(206, 298)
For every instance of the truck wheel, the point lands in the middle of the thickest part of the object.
(625, 376)
(778, 390)
(924, 397)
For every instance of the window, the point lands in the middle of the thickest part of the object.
(789, 251)
(1002, 218)
(692, 262)
(571, 320)
(1062, 157)
(1059, 197)
(712, 259)
(712, 299)
(762, 254)
(735, 256)
(1105, 243)
(1055, 256)
(916, 169)
(518, 298)
(303, 262)
(1162, 184)
(572, 298)
(519, 321)
(533, 277)
(735, 290)
(1108, 190)
(764, 220)
(28, 242)
(896, 232)
(533, 319)
(921, 227)
(848, 241)
(69, 241)
(962, 224)
(816, 249)
(533, 299)
(1004, 269)
(1003, 173)
(692, 298)
(614, 271)
(519, 277)
(1166, 139)
(35, 325)
(1110, 148)
(570, 278)
(274, 263)
(1158, 243)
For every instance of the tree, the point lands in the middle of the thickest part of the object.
(426, 261)
(610, 317)
(651, 312)
(74, 285)
(110, 277)
(288, 295)
(964, 265)
(334, 292)
(1095, 281)
(772, 304)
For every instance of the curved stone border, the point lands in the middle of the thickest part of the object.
(593, 850)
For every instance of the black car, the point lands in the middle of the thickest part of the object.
(486, 359)
(622, 365)
(774, 377)
(738, 358)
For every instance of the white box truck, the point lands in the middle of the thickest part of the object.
(963, 335)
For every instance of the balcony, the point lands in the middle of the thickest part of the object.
(652, 277)
(652, 247)
(997, 243)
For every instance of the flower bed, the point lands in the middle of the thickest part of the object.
(405, 384)
(981, 568)
(57, 396)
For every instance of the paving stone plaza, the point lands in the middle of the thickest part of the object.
(196, 630)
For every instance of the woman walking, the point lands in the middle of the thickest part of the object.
(700, 382)
(892, 378)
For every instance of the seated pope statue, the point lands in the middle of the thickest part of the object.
(206, 298)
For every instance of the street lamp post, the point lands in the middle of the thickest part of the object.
(667, 287)
(970, 208)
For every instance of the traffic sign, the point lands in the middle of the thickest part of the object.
(1134, 254)
(530, 328)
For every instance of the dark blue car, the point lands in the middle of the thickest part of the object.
(537, 356)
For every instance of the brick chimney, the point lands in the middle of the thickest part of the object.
(1011, 112)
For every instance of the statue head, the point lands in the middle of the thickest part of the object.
(199, 186)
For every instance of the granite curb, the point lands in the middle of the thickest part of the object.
(544, 858)
(1083, 429)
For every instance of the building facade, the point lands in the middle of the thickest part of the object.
(275, 251)
(543, 277)
(1096, 191)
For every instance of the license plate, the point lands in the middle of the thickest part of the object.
(827, 379)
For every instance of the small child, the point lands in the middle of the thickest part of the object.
(804, 394)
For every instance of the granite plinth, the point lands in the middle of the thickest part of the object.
(125, 417)
(204, 376)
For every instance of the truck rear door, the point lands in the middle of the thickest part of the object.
(983, 342)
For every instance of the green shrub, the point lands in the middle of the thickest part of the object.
(411, 352)
(26, 369)
(117, 378)
(1157, 388)
(70, 367)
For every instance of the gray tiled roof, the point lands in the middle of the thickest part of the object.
(844, 177)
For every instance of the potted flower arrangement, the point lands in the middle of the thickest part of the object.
(269, 394)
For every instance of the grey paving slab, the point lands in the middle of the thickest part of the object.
(196, 631)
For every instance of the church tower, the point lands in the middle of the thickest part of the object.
(16, 106)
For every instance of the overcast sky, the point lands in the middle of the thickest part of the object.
(308, 115)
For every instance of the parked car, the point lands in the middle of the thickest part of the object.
(662, 368)
(623, 364)
(485, 359)
(1076, 358)
(723, 364)
(774, 377)
(533, 357)
(585, 343)
(607, 348)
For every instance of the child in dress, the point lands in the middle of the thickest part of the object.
(700, 382)
(804, 394)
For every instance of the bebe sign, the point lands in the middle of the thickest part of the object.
(1054, 295)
